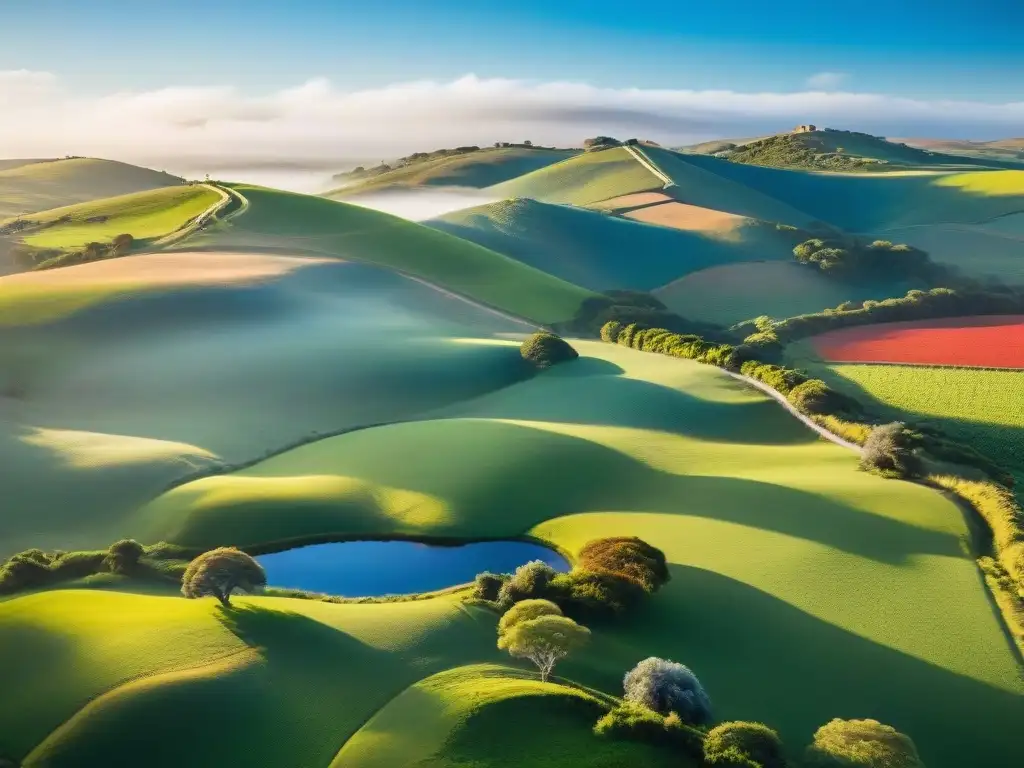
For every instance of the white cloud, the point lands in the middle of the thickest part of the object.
(826, 81)
(317, 126)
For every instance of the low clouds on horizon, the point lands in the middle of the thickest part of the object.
(316, 126)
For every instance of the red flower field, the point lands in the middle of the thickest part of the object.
(995, 341)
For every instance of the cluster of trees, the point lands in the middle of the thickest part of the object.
(916, 305)
(794, 151)
(543, 349)
(854, 260)
(664, 703)
(29, 257)
(35, 568)
(610, 577)
(627, 307)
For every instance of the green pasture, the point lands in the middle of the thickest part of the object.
(983, 408)
(853, 594)
(303, 224)
(735, 292)
(29, 187)
(143, 215)
(601, 251)
(480, 169)
(584, 179)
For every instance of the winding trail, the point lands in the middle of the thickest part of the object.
(646, 162)
(193, 225)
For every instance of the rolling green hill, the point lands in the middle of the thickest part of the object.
(289, 223)
(840, 571)
(28, 187)
(601, 251)
(86, 352)
(584, 179)
(478, 169)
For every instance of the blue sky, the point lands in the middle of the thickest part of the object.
(950, 48)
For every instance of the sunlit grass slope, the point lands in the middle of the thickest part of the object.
(734, 292)
(602, 251)
(473, 169)
(275, 682)
(144, 215)
(42, 185)
(486, 714)
(584, 179)
(293, 223)
(150, 367)
(984, 408)
(861, 202)
(863, 598)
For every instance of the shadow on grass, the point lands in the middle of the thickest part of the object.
(763, 659)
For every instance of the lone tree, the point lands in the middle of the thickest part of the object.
(526, 610)
(220, 572)
(545, 641)
(666, 686)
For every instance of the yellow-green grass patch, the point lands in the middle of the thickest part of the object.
(483, 168)
(39, 186)
(144, 215)
(299, 676)
(584, 179)
(983, 408)
(295, 223)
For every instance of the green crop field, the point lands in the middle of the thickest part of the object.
(303, 224)
(601, 251)
(984, 408)
(480, 169)
(584, 179)
(736, 292)
(790, 567)
(41, 185)
(144, 215)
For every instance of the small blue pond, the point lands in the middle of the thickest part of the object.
(375, 568)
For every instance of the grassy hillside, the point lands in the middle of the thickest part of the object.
(496, 715)
(87, 351)
(601, 251)
(479, 169)
(863, 598)
(42, 185)
(292, 223)
(144, 215)
(872, 202)
(983, 408)
(833, 150)
(584, 179)
(734, 292)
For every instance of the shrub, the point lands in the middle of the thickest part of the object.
(814, 396)
(629, 558)
(593, 595)
(666, 686)
(861, 744)
(526, 610)
(889, 450)
(545, 349)
(121, 245)
(610, 331)
(529, 581)
(123, 556)
(741, 744)
(633, 722)
(220, 572)
(487, 585)
(24, 571)
(545, 641)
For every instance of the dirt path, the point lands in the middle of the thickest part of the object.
(789, 407)
(641, 158)
(194, 224)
